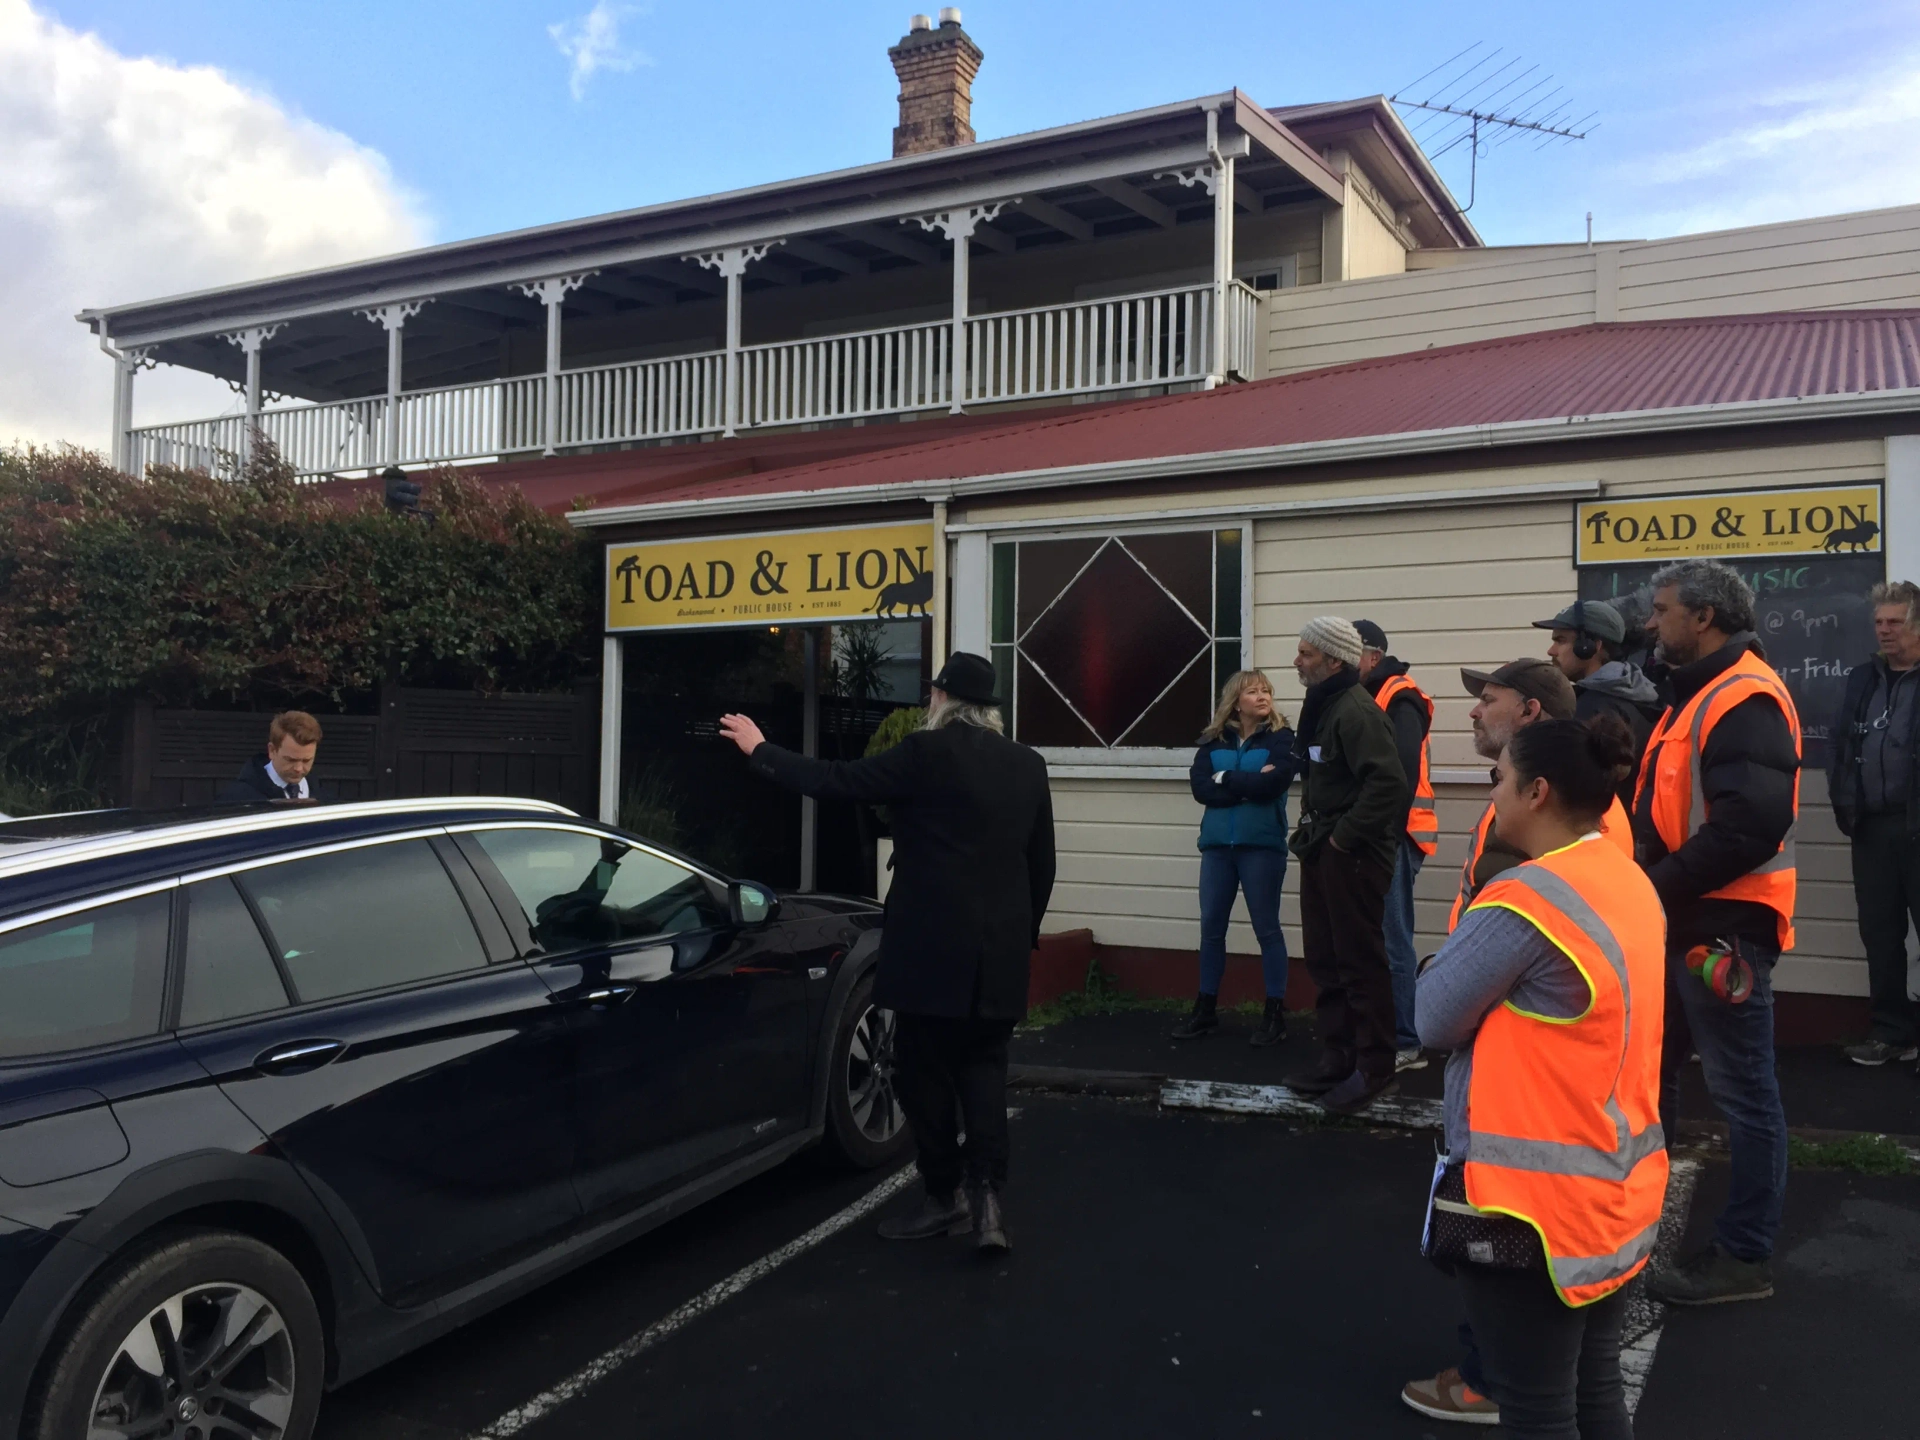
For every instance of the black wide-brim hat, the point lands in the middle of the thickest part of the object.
(968, 677)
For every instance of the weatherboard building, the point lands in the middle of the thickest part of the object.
(1119, 404)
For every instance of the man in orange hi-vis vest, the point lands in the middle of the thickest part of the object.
(1713, 822)
(1410, 712)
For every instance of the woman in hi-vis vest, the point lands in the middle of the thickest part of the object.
(1550, 996)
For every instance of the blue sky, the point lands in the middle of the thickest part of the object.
(150, 147)
(472, 106)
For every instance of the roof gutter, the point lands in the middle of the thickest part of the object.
(1505, 434)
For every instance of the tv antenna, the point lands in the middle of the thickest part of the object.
(1476, 89)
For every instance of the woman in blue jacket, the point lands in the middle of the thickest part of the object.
(1240, 773)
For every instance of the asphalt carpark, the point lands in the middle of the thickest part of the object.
(1174, 1273)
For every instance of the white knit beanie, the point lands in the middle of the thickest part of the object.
(1331, 635)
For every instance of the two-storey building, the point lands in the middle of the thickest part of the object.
(1122, 404)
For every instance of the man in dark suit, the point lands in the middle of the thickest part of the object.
(281, 772)
(973, 868)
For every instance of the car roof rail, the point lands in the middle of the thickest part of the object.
(252, 820)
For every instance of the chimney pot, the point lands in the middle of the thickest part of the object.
(936, 70)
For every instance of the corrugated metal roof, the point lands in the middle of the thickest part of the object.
(1589, 370)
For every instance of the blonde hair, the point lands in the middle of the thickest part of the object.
(1238, 684)
(949, 711)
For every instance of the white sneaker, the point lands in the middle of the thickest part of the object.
(1414, 1059)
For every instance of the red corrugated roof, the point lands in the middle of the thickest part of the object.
(1554, 374)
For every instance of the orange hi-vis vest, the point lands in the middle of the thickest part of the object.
(1672, 765)
(1614, 825)
(1563, 1116)
(1423, 821)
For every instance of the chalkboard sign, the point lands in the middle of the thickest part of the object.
(1811, 614)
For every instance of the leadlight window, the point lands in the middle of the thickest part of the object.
(1106, 641)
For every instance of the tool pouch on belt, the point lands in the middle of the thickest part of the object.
(1457, 1233)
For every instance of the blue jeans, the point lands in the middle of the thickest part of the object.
(1402, 960)
(1258, 871)
(1735, 1044)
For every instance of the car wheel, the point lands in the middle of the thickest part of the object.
(865, 1124)
(208, 1336)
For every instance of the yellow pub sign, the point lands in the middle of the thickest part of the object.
(1823, 520)
(793, 577)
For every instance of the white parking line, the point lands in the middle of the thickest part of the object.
(594, 1371)
(1640, 1335)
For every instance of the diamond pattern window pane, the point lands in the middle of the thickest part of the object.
(1115, 638)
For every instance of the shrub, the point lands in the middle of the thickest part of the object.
(182, 588)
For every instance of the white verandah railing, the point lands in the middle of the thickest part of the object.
(1126, 342)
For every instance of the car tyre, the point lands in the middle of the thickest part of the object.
(865, 1126)
(206, 1335)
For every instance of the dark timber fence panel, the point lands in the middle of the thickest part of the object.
(422, 743)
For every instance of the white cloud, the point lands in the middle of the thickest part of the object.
(592, 44)
(1839, 144)
(126, 178)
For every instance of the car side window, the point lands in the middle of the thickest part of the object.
(89, 978)
(226, 968)
(579, 890)
(364, 919)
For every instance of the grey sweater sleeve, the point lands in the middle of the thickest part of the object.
(1494, 955)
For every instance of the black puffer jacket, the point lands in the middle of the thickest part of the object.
(1747, 774)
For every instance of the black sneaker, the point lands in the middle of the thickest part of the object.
(1878, 1052)
(1201, 1021)
(1273, 1025)
(1712, 1277)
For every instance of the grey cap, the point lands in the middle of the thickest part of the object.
(1533, 677)
(1596, 617)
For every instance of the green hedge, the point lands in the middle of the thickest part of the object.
(185, 589)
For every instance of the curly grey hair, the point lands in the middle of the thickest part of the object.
(1708, 583)
(949, 711)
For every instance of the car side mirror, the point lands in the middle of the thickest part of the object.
(751, 904)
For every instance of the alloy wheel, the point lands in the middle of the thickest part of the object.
(870, 1093)
(214, 1362)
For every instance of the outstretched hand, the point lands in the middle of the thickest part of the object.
(741, 730)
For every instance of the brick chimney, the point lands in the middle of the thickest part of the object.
(936, 69)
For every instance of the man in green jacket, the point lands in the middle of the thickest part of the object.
(1353, 812)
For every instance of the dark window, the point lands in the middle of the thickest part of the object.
(1116, 640)
(228, 969)
(578, 889)
(86, 979)
(365, 919)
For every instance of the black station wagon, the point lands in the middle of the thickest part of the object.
(286, 1091)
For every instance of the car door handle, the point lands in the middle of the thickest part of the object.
(608, 995)
(301, 1055)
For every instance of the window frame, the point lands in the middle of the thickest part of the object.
(1126, 758)
(516, 923)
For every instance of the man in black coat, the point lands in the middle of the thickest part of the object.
(1589, 645)
(282, 771)
(1873, 779)
(973, 869)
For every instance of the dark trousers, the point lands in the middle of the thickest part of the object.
(1735, 1045)
(1886, 888)
(945, 1070)
(1553, 1369)
(1343, 904)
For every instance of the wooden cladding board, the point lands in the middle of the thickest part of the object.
(1839, 262)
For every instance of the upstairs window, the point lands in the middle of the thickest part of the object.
(1116, 641)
